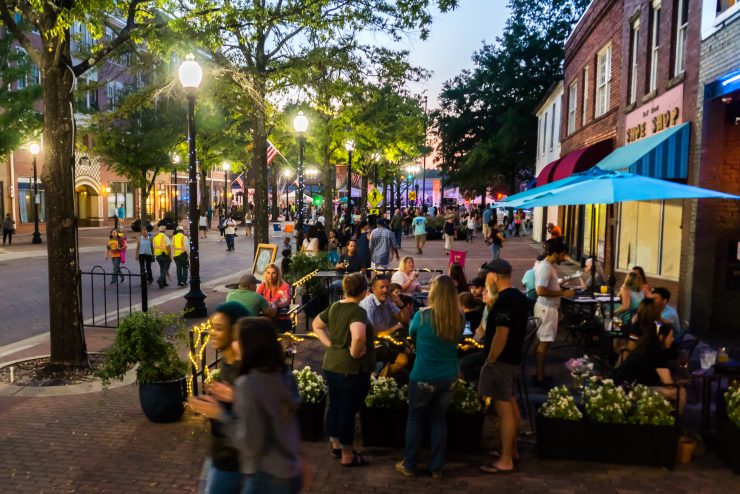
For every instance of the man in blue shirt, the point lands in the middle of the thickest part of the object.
(487, 215)
(420, 230)
(661, 297)
(121, 215)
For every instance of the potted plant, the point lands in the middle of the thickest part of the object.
(617, 427)
(728, 428)
(465, 418)
(314, 290)
(160, 371)
(312, 389)
(383, 418)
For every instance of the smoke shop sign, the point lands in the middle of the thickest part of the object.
(656, 115)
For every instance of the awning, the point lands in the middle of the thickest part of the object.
(582, 159)
(664, 155)
(545, 176)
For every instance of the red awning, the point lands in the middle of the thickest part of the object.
(580, 160)
(545, 176)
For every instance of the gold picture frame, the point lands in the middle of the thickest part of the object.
(265, 254)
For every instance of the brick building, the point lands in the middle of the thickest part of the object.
(548, 114)
(98, 189)
(710, 251)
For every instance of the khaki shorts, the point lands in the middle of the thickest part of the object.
(497, 381)
(548, 330)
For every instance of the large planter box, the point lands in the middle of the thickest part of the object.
(728, 442)
(464, 431)
(163, 402)
(311, 420)
(383, 427)
(585, 440)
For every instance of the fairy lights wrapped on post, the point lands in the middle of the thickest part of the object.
(199, 338)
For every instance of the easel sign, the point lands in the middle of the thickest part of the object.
(265, 254)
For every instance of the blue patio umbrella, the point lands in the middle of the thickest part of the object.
(602, 187)
(516, 200)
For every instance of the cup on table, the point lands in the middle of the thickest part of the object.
(608, 323)
(604, 289)
(707, 358)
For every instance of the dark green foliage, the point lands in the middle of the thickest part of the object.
(301, 265)
(141, 340)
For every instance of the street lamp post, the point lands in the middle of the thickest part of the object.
(286, 174)
(227, 166)
(190, 75)
(300, 124)
(424, 162)
(173, 192)
(349, 146)
(36, 239)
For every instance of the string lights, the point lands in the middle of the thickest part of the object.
(201, 335)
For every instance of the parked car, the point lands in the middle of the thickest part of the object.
(136, 226)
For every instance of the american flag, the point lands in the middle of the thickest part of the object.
(356, 180)
(239, 181)
(271, 152)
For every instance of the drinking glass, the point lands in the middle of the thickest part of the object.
(604, 289)
(707, 359)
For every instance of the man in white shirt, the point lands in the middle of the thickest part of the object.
(229, 233)
(547, 307)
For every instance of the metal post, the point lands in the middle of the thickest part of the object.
(299, 199)
(177, 217)
(226, 195)
(348, 220)
(36, 234)
(416, 189)
(195, 305)
(424, 162)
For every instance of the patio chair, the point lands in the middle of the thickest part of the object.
(532, 326)
(277, 230)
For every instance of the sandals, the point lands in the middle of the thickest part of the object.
(357, 461)
(336, 453)
(492, 469)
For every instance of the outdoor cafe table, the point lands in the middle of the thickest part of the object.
(708, 377)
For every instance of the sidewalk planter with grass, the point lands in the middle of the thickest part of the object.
(160, 373)
(728, 429)
(312, 389)
(383, 418)
(635, 428)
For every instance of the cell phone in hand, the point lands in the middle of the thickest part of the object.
(467, 331)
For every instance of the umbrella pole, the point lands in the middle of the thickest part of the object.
(612, 260)
(593, 256)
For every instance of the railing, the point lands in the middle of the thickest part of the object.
(114, 305)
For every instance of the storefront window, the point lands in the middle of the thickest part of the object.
(600, 228)
(121, 193)
(650, 236)
(25, 200)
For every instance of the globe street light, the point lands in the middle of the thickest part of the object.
(36, 239)
(300, 124)
(190, 75)
(349, 146)
(226, 166)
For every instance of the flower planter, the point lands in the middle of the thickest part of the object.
(612, 443)
(163, 402)
(383, 427)
(311, 420)
(464, 431)
(728, 438)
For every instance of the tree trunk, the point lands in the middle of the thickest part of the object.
(259, 165)
(328, 195)
(65, 312)
(385, 198)
(363, 195)
(144, 192)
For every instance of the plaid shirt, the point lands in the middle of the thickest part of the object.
(382, 241)
(382, 315)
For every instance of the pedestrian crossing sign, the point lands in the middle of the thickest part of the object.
(374, 197)
(375, 212)
(412, 195)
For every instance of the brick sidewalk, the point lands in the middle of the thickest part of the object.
(101, 442)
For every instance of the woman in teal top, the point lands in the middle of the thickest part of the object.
(435, 331)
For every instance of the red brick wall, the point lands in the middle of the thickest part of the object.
(601, 24)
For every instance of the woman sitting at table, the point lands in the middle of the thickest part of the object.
(648, 365)
(647, 314)
(590, 281)
(631, 294)
(457, 273)
(406, 276)
(310, 245)
(277, 293)
(645, 285)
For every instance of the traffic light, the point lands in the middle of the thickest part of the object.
(499, 196)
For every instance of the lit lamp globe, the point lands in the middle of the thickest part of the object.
(349, 145)
(286, 173)
(300, 123)
(34, 148)
(190, 73)
(226, 165)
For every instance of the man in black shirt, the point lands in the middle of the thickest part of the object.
(351, 262)
(503, 341)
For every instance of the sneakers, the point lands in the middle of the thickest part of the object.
(401, 468)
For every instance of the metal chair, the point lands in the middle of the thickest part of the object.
(533, 324)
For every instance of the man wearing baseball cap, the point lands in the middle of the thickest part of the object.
(502, 348)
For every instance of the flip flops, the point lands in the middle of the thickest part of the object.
(357, 461)
(492, 470)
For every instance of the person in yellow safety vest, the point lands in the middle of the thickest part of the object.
(163, 255)
(181, 250)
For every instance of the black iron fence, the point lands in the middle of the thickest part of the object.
(107, 297)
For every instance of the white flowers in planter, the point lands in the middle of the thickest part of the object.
(386, 393)
(311, 385)
(732, 396)
(560, 405)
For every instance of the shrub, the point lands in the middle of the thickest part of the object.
(732, 396)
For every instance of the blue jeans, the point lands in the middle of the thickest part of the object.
(397, 233)
(262, 483)
(116, 270)
(229, 241)
(164, 267)
(428, 398)
(496, 251)
(346, 395)
(181, 268)
(223, 482)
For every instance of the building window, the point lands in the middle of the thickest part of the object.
(654, 45)
(723, 5)
(26, 202)
(572, 103)
(121, 193)
(544, 134)
(682, 23)
(650, 236)
(634, 40)
(603, 80)
(552, 127)
(584, 110)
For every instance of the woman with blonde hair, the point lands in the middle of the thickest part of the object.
(406, 276)
(277, 293)
(631, 294)
(435, 330)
